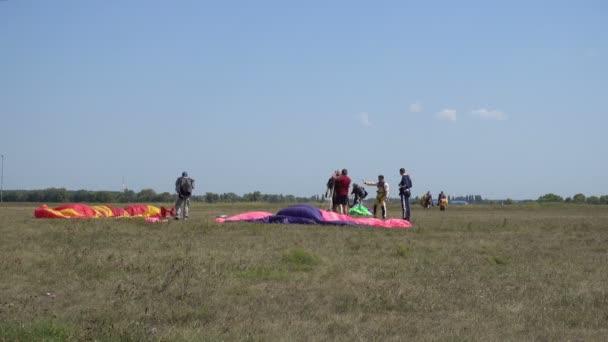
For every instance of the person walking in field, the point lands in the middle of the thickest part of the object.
(184, 186)
(382, 194)
(442, 201)
(342, 184)
(404, 192)
(427, 200)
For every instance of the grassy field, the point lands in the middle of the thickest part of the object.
(474, 273)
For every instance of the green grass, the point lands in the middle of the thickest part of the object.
(474, 273)
(299, 260)
(36, 331)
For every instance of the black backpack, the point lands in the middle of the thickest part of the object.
(360, 192)
(363, 193)
(185, 187)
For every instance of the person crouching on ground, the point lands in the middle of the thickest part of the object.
(342, 184)
(382, 194)
(184, 186)
(360, 194)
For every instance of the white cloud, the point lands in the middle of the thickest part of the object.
(486, 114)
(447, 114)
(415, 107)
(363, 119)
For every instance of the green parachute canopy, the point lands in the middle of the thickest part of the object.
(360, 210)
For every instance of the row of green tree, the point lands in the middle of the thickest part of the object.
(61, 195)
(231, 197)
(578, 198)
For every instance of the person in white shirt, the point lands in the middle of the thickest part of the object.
(382, 194)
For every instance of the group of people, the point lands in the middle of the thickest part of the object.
(338, 187)
(338, 191)
(427, 200)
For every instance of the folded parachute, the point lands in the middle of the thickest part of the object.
(360, 210)
(307, 214)
(86, 211)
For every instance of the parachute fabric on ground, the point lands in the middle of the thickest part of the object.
(85, 211)
(307, 214)
(360, 210)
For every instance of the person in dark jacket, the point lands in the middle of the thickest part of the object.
(360, 194)
(330, 193)
(404, 192)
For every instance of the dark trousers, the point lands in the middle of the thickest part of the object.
(357, 201)
(405, 205)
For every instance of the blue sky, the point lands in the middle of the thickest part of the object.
(502, 99)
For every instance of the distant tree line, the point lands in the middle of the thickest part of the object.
(471, 199)
(578, 198)
(231, 197)
(62, 195)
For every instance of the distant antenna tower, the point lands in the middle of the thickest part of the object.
(124, 186)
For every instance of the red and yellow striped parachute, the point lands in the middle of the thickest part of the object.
(97, 211)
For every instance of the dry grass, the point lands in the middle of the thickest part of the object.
(514, 273)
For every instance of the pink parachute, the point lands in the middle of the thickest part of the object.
(307, 214)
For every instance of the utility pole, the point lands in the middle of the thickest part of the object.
(2, 180)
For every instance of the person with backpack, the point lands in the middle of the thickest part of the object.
(184, 186)
(360, 194)
(381, 194)
(404, 192)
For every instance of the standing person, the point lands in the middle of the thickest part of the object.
(404, 192)
(184, 186)
(342, 184)
(427, 200)
(381, 194)
(330, 193)
(442, 200)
